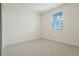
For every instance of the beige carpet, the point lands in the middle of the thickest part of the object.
(41, 47)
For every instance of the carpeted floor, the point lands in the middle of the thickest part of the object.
(40, 47)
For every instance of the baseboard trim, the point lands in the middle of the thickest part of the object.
(62, 42)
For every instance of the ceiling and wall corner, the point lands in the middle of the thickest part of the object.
(41, 7)
(36, 7)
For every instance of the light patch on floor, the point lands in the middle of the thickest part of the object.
(40, 47)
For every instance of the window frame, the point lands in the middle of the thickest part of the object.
(53, 24)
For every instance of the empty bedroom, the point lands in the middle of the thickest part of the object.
(40, 29)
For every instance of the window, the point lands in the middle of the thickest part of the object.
(57, 22)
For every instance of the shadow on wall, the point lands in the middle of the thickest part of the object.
(0, 32)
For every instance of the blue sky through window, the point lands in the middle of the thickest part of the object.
(57, 20)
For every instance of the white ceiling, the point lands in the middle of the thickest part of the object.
(41, 7)
(37, 7)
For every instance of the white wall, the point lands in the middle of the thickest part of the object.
(19, 24)
(70, 32)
